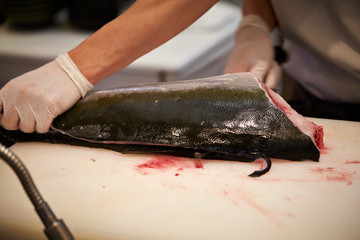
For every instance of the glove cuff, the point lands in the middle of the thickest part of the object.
(255, 21)
(80, 81)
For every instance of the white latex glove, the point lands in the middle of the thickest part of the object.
(31, 101)
(254, 52)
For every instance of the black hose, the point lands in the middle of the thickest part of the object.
(54, 228)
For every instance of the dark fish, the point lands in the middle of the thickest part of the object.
(229, 117)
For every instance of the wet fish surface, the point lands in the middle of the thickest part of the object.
(228, 117)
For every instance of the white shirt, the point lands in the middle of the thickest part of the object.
(322, 38)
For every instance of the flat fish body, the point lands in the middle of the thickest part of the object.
(230, 117)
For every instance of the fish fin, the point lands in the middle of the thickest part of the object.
(199, 155)
(264, 170)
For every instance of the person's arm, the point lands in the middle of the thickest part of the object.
(262, 8)
(31, 101)
(253, 51)
(145, 26)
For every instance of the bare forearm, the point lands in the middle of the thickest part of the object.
(262, 8)
(145, 26)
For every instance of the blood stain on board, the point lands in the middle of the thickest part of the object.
(324, 150)
(333, 175)
(198, 164)
(261, 210)
(352, 162)
(163, 162)
(160, 162)
(287, 214)
(287, 199)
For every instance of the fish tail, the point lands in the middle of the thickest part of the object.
(264, 169)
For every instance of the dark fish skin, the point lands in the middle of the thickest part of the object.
(228, 117)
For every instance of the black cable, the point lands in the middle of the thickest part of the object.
(54, 228)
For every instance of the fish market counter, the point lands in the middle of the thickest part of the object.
(102, 194)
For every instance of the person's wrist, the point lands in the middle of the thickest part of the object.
(253, 20)
(79, 80)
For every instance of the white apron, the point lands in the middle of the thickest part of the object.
(322, 38)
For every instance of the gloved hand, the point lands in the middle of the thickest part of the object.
(31, 101)
(254, 52)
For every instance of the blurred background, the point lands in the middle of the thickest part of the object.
(34, 32)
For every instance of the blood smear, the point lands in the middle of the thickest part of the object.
(324, 150)
(332, 175)
(160, 162)
(169, 162)
(198, 164)
(352, 162)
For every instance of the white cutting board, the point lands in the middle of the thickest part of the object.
(102, 194)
